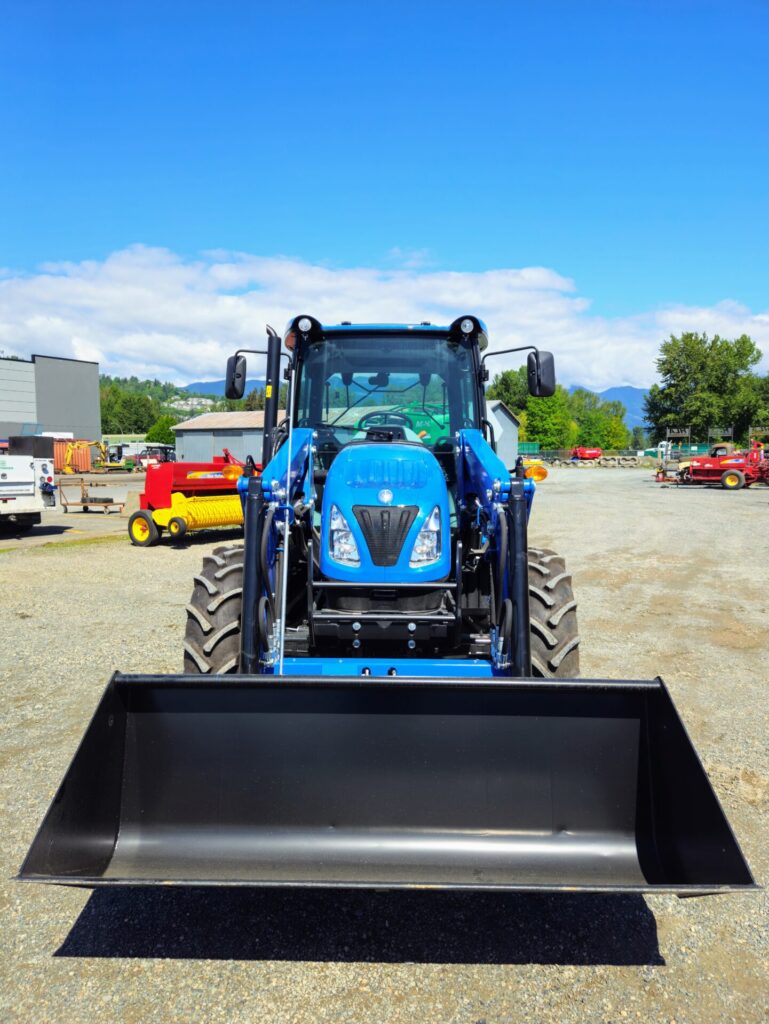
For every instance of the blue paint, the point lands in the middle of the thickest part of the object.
(481, 469)
(424, 668)
(529, 489)
(357, 476)
(275, 472)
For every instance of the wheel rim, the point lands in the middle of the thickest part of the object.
(173, 528)
(731, 481)
(140, 529)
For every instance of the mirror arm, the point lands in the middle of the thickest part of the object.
(251, 351)
(507, 351)
(484, 375)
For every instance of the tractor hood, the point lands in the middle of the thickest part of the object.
(385, 515)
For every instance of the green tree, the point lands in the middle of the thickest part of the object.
(512, 388)
(598, 422)
(160, 432)
(615, 434)
(254, 400)
(125, 411)
(549, 420)
(638, 439)
(705, 382)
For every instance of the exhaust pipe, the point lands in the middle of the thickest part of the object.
(521, 784)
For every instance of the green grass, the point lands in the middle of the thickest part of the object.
(110, 539)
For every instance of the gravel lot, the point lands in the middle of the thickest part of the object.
(670, 582)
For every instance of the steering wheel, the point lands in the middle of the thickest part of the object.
(383, 419)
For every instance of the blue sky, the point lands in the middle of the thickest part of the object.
(624, 145)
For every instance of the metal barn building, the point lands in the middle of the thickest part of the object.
(199, 439)
(505, 424)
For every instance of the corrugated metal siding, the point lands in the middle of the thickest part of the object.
(202, 445)
(17, 392)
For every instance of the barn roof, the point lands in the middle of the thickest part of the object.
(226, 421)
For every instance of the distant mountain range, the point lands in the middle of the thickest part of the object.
(631, 398)
(216, 387)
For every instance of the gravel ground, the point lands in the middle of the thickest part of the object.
(670, 582)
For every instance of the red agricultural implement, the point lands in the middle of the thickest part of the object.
(724, 465)
(183, 496)
(586, 454)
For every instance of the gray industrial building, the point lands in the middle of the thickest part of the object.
(46, 394)
(199, 439)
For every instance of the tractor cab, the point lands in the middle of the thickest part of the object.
(413, 384)
(398, 496)
(385, 406)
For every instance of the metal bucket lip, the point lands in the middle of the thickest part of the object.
(84, 882)
(503, 683)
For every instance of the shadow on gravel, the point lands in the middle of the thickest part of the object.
(7, 532)
(197, 537)
(378, 927)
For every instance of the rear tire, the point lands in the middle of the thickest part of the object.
(553, 617)
(732, 480)
(212, 636)
(177, 528)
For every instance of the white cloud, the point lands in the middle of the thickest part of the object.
(149, 312)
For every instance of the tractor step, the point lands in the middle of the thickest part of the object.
(387, 782)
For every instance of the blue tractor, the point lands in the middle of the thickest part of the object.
(397, 543)
(381, 685)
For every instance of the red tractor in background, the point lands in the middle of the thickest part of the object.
(582, 454)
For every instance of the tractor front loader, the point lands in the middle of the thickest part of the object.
(381, 685)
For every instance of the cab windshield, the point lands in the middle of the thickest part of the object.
(353, 384)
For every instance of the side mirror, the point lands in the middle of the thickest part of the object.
(235, 383)
(541, 370)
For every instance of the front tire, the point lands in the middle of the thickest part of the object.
(553, 617)
(212, 636)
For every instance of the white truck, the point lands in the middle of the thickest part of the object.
(27, 485)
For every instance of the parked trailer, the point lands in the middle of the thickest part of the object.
(183, 496)
(87, 500)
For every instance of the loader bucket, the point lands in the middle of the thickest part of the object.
(392, 783)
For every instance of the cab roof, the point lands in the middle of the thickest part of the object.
(329, 331)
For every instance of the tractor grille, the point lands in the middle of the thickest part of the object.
(385, 530)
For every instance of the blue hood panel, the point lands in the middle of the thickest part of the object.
(357, 476)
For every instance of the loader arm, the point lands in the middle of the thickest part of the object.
(501, 502)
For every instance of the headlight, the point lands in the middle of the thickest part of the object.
(427, 546)
(341, 543)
